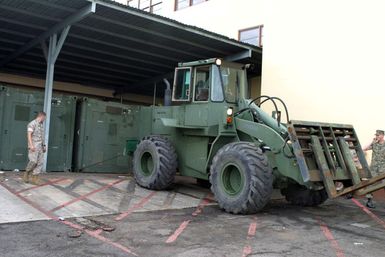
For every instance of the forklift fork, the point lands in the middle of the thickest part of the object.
(328, 149)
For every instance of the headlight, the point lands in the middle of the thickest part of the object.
(218, 62)
(229, 111)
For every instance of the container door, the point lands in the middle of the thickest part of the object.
(15, 149)
(57, 159)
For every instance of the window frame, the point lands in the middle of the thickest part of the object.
(174, 84)
(260, 31)
(189, 4)
(150, 7)
(194, 84)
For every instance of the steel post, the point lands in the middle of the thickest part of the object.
(53, 52)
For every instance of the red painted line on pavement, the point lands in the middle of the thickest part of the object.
(106, 240)
(97, 231)
(95, 234)
(41, 185)
(250, 233)
(87, 195)
(367, 211)
(177, 232)
(205, 201)
(185, 223)
(136, 206)
(328, 234)
(246, 251)
(34, 205)
(252, 229)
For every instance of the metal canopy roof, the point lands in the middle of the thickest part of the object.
(113, 46)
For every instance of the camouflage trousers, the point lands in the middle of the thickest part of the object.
(36, 160)
(376, 169)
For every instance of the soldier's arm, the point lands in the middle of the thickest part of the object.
(368, 147)
(30, 144)
(30, 129)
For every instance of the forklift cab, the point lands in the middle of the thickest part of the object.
(209, 81)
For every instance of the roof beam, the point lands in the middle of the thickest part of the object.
(178, 25)
(97, 41)
(145, 83)
(239, 56)
(158, 34)
(91, 58)
(125, 37)
(120, 56)
(135, 39)
(84, 70)
(84, 56)
(52, 5)
(75, 77)
(81, 14)
(98, 17)
(120, 70)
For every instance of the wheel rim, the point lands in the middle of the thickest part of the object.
(146, 164)
(232, 179)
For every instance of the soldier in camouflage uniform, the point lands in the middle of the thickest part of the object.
(36, 149)
(377, 165)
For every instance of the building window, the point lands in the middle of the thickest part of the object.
(180, 4)
(152, 6)
(252, 36)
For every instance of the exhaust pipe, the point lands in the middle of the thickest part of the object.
(167, 93)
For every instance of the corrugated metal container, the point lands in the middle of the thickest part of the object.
(101, 134)
(20, 106)
(2, 102)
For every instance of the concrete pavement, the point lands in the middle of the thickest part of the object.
(108, 215)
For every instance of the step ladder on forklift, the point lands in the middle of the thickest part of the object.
(332, 153)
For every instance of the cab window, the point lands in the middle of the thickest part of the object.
(216, 85)
(202, 84)
(182, 84)
(232, 80)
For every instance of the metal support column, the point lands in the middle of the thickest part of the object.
(52, 54)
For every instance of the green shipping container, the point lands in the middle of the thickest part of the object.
(2, 102)
(103, 129)
(18, 108)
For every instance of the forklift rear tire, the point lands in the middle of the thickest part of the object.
(241, 178)
(300, 195)
(155, 163)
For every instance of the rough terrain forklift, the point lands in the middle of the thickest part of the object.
(212, 131)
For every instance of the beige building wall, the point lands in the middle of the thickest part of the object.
(326, 59)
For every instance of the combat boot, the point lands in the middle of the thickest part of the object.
(35, 180)
(28, 171)
(26, 176)
(370, 204)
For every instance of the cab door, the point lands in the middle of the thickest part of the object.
(197, 111)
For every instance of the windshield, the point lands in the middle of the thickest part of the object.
(232, 81)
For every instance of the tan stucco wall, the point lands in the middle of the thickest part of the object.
(326, 59)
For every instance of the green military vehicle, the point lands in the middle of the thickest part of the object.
(213, 131)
